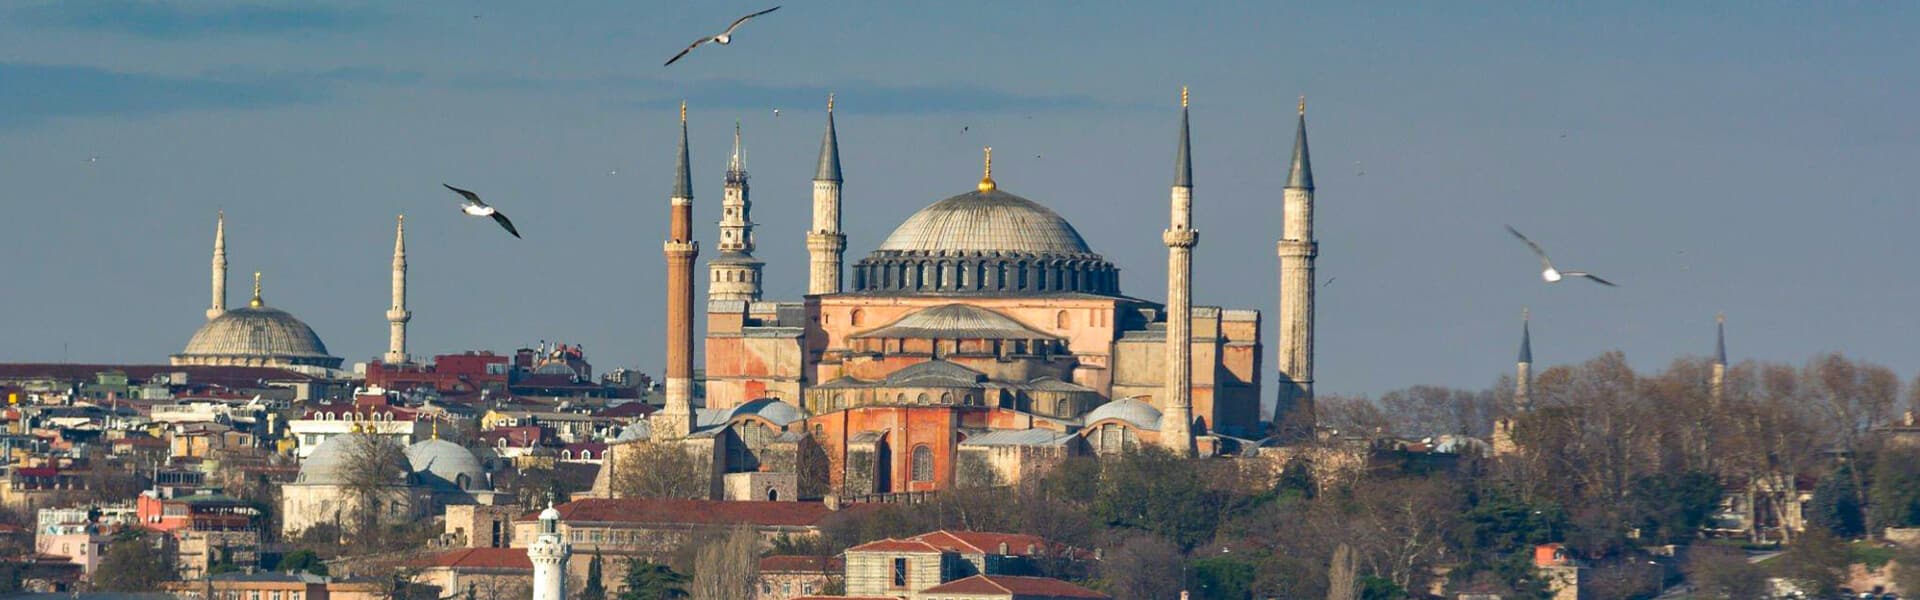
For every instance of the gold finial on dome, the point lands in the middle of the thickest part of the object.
(986, 178)
(1303, 104)
(257, 302)
(1183, 96)
(436, 429)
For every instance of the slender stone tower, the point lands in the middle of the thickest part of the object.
(1717, 385)
(219, 306)
(397, 313)
(549, 553)
(1503, 442)
(825, 243)
(1294, 413)
(1176, 415)
(676, 419)
(735, 273)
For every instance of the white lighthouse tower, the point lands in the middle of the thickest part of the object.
(549, 555)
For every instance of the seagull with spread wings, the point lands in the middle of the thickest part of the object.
(725, 37)
(475, 207)
(1547, 271)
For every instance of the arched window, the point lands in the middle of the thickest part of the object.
(1061, 321)
(922, 463)
(901, 398)
(857, 318)
(502, 442)
(839, 402)
(922, 398)
(773, 495)
(566, 455)
(586, 455)
(1060, 408)
(463, 481)
(946, 398)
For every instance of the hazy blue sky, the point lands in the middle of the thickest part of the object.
(1752, 158)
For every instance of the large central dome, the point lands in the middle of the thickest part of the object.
(256, 336)
(987, 222)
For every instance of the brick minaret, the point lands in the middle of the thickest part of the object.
(735, 273)
(219, 306)
(397, 314)
(1176, 416)
(1294, 413)
(676, 419)
(825, 243)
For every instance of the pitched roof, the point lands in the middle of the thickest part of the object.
(802, 564)
(479, 558)
(891, 545)
(698, 512)
(1015, 586)
(982, 542)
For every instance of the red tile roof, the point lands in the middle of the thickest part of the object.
(1015, 586)
(981, 542)
(479, 558)
(697, 512)
(897, 547)
(802, 564)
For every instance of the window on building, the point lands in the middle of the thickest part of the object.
(899, 572)
(857, 318)
(1060, 320)
(922, 463)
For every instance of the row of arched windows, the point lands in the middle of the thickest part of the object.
(351, 416)
(992, 275)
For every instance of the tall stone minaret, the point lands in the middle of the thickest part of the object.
(219, 306)
(676, 419)
(735, 274)
(549, 553)
(1503, 442)
(1176, 413)
(825, 243)
(397, 313)
(1717, 385)
(1294, 413)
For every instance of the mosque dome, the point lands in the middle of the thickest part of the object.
(331, 463)
(1131, 410)
(445, 464)
(985, 242)
(256, 335)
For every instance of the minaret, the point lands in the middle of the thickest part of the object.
(397, 314)
(1717, 385)
(1176, 416)
(676, 419)
(549, 553)
(1503, 442)
(735, 274)
(219, 306)
(825, 243)
(1294, 413)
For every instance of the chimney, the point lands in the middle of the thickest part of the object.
(1003, 549)
(832, 501)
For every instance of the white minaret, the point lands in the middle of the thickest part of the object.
(397, 314)
(1717, 386)
(549, 555)
(219, 306)
(825, 243)
(1503, 442)
(1176, 413)
(1294, 415)
(735, 274)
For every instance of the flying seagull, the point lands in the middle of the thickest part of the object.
(725, 37)
(480, 209)
(1549, 273)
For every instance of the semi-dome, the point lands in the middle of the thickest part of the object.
(445, 464)
(985, 242)
(256, 336)
(989, 221)
(1130, 410)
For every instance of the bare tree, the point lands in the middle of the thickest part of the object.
(1340, 575)
(375, 471)
(659, 469)
(727, 567)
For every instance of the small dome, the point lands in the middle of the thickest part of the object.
(987, 221)
(1131, 410)
(330, 463)
(636, 431)
(550, 514)
(771, 409)
(446, 464)
(256, 335)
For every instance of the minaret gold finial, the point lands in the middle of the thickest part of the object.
(436, 429)
(829, 101)
(1720, 318)
(683, 111)
(1303, 104)
(1183, 96)
(986, 178)
(1526, 314)
(257, 302)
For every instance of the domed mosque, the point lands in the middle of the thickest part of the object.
(252, 336)
(983, 335)
(435, 473)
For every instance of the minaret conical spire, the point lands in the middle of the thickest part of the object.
(1301, 172)
(1183, 158)
(682, 176)
(738, 162)
(1526, 337)
(219, 305)
(1720, 339)
(829, 167)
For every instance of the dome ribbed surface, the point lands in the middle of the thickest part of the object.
(259, 332)
(987, 222)
(1132, 410)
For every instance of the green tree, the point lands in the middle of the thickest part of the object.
(1150, 489)
(593, 590)
(1721, 572)
(1895, 491)
(133, 564)
(1223, 577)
(1671, 508)
(652, 581)
(302, 560)
(1817, 562)
(1835, 506)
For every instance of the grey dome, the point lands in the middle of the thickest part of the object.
(987, 222)
(331, 461)
(1131, 410)
(256, 335)
(638, 430)
(442, 463)
(771, 409)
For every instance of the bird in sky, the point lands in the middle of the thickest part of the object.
(724, 38)
(477, 208)
(1547, 271)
